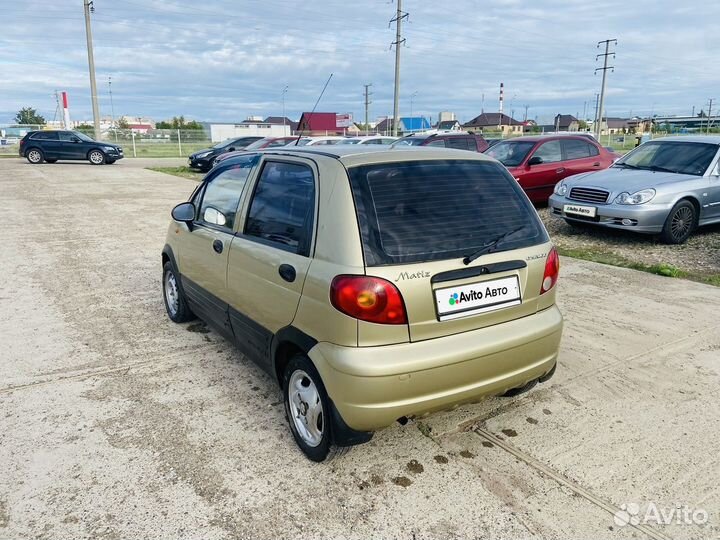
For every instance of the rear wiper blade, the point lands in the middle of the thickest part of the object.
(487, 248)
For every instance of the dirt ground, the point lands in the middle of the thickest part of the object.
(116, 423)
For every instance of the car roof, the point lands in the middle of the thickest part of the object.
(712, 139)
(353, 154)
(538, 138)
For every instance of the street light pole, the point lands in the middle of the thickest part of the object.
(112, 108)
(88, 5)
(412, 98)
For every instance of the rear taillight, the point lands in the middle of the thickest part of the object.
(552, 270)
(369, 299)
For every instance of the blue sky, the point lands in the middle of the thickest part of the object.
(222, 60)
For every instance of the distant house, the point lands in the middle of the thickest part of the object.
(279, 120)
(496, 122)
(384, 127)
(613, 126)
(324, 123)
(410, 124)
(566, 122)
(449, 125)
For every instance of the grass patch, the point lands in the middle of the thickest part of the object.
(182, 172)
(663, 269)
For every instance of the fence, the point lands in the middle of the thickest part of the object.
(135, 143)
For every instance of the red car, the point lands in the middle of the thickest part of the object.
(540, 162)
(267, 142)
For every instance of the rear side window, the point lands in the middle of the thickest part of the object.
(575, 149)
(461, 143)
(46, 136)
(549, 152)
(420, 211)
(283, 207)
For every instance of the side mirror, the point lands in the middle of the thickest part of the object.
(214, 216)
(75, 139)
(184, 213)
(535, 160)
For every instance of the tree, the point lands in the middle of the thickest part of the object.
(582, 125)
(87, 129)
(28, 115)
(122, 123)
(189, 131)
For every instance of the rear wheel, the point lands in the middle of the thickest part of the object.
(96, 157)
(34, 156)
(680, 223)
(307, 408)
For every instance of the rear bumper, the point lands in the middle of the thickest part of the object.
(374, 386)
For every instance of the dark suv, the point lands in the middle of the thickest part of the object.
(51, 145)
(203, 159)
(458, 141)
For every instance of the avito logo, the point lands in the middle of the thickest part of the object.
(469, 296)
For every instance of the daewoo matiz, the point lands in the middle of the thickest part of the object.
(374, 284)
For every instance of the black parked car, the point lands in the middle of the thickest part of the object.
(203, 159)
(51, 145)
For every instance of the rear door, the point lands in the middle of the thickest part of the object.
(420, 219)
(48, 142)
(460, 143)
(270, 255)
(579, 156)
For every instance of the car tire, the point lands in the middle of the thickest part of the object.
(50, 160)
(175, 302)
(520, 389)
(680, 223)
(304, 395)
(96, 157)
(34, 156)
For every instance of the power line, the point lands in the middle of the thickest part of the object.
(399, 40)
(604, 70)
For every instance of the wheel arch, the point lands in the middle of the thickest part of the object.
(286, 343)
(692, 199)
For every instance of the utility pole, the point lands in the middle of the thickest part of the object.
(367, 106)
(604, 70)
(595, 121)
(399, 40)
(89, 8)
(412, 98)
(525, 115)
(710, 102)
(284, 91)
(112, 107)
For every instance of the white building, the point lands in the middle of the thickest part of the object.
(250, 128)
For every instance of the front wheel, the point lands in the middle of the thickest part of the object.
(96, 157)
(175, 303)
(680, 223)
(307, 408)
(35, 156)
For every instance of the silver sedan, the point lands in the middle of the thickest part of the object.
(667, 186)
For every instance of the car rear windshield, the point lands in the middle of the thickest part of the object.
(421, 211)
(410, 141)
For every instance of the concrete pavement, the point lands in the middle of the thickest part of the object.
(117, 423)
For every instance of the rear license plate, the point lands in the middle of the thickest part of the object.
(588, 211)
(480, 297)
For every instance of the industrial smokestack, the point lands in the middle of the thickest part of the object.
(66, 111)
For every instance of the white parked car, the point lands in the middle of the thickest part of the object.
(315, 141)
(370, 139)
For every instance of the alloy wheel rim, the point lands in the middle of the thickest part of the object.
(96, 157)
(171, 293)
(306, 408)
(681, 222)
(34, 156)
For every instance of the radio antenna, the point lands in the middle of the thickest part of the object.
(313, 109)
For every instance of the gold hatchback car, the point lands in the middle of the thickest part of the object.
(374, 284)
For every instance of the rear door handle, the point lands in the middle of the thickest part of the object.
(218, 246)
(596, 164)
(560, 170)
(287, 272)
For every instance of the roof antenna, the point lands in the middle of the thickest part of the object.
(302, 130)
